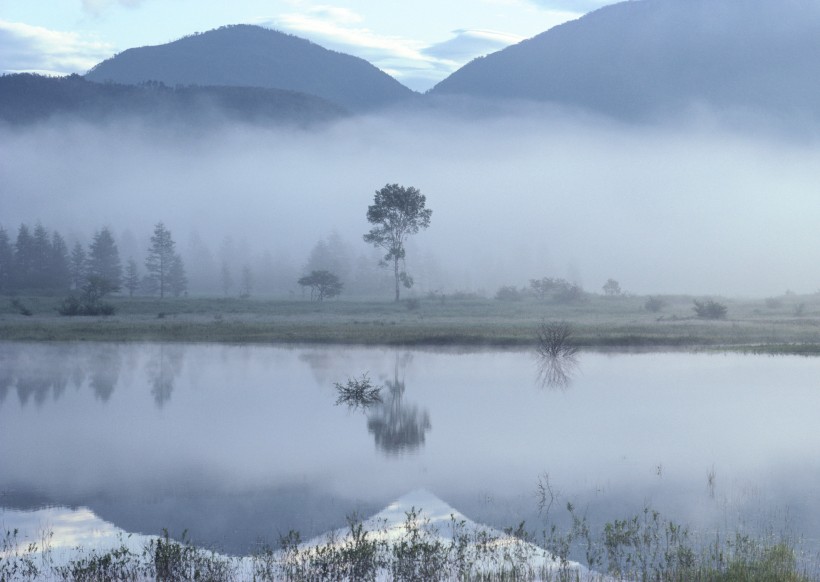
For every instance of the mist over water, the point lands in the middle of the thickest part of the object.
(684, 208)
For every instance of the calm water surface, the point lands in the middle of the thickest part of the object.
(238, 444)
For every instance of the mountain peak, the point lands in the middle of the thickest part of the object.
(648, 58)
(246, 55)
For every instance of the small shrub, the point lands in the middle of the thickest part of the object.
(358, 393)
(554, 340)
(90, 301)
(709, 309)
(508, 293)
(568, 292)
(773, 302)
(799, 310)
(413, 304)
(654, 304)
(21, 309)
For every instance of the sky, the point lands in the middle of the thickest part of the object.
(419, 43)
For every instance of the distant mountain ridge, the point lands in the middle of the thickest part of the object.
(647, 58)
(252, 56)
(26, 98)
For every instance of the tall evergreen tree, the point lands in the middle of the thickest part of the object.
(59, 271)
(104, 258)
(78, 266)
(131, 281)
(177, 280)
(160, 259)
(24, 259)
(6, 262)
(39, 278)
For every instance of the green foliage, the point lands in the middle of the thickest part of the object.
(172, 561)
(396, 213)
(612, 288)
(16, 562)
(90, 301)
(116, 564)
(160, 262)
(104, 258)
(508, 293)
(323, 285)
(709, 309)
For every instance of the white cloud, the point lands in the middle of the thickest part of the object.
(98, 6)
(26, 48)
(579, 6)
(468, 44)
(414, 63)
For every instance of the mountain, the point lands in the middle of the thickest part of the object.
(27, 98)
(649, 58)
(252, 56)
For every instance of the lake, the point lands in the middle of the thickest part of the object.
(239, 444)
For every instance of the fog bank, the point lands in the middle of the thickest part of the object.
(685, 209)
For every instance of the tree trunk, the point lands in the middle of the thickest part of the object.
(396, 273)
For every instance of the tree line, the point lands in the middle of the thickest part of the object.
(39, 261)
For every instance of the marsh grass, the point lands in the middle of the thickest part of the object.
(614, 322)
(642, 548)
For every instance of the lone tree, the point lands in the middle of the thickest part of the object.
(160, 260)
(397, 212)
(323, 285)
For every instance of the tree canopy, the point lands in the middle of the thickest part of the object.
(396, 213)
(323, 285)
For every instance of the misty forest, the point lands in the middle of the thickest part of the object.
(268, 314)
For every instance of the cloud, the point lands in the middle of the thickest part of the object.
(579, 6)
(468, 44)
(26, 48)
(98, 6)
(414, 63)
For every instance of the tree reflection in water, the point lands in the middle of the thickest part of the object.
(163, 367)
(105, 371)
(556, 372)
(39, 372)
(398, 427)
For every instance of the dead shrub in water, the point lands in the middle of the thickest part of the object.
(554, 340)
(358, 393)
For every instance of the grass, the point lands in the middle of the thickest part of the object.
(642, 548)
(601, 322)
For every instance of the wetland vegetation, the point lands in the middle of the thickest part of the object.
(787, 324)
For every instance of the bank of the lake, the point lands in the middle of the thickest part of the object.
(790, 324)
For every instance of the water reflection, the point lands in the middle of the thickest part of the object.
(38, 372)
(106, 371)
(397, 426)
(556, 372)
(163, 368)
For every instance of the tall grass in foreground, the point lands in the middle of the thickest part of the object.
(642, 548)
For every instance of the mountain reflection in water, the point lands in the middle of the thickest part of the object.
(241, 443)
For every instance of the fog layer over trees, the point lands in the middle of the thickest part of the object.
(518, 195)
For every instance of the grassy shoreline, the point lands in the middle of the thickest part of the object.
(598, 322)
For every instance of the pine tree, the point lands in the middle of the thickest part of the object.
(6, 262)
(78, 266)
(59, 271)
(40, 259)
(131, 280)
(104, 258)
(177, 280)
(246, 284)
(24, 259)
(160, 259)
